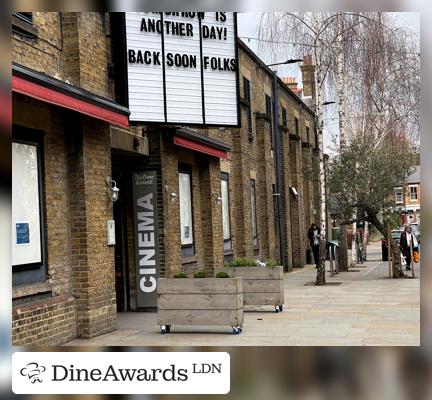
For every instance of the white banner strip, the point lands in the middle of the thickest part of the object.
(120, 373)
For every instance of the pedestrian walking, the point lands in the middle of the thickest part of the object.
(408, 244)
(314, 236)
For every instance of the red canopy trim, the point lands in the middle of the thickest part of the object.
(199, 147)
(51, 96)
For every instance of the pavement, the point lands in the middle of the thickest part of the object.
(362, 307)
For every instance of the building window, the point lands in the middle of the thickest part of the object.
(413, 193)
(186, 213)
(22, 22)
(269, 114)
(247, 99)
(254, 214)
(284, 117)
(226, 224)
(28, 237)
(398, 195)
(307, 134)
(297, 128)
(24, 16)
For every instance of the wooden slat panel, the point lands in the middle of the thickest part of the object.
(253, 272)
(262, 286)
(263, 299)
(199, 317)
(204, 285)
(204, 302)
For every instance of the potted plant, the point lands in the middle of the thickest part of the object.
(200, 301)
(262, 282)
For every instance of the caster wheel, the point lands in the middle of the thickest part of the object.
(280, 307)
(276, 309)
(168, 328)
(163, 329)
(236, 330)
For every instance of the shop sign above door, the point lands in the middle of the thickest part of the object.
(182, 67)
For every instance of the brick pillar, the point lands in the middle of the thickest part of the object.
(85, 55)
(286, 198)
(211, 214)
(89, 162)
(298, 227)
(264, 192)
(70, 54)
(308, 184)
(171, 211)
(241, 224)
(315, 182)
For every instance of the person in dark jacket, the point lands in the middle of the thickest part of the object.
(407, 244)
(314, 237)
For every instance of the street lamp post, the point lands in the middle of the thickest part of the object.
(278, 155)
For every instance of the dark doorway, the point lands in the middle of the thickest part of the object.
(121, 263)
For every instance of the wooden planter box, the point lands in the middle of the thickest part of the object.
(200, 301)
(262, 286)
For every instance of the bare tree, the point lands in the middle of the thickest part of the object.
(371, 65)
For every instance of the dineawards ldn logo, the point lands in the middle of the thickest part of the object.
(33, 371)
(120, 373)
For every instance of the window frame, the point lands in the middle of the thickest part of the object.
(396, 190)
(22, 23)
(248, 101)
(411, 193)
(284, 116)
(268, 112)
(297, 126)
(187, 250)
(25, 274)
(227, 242)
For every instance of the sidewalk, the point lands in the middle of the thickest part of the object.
(360, 307)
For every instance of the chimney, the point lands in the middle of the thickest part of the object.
(292, 85)
(308, 78)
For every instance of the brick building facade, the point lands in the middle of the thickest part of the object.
(69, 122)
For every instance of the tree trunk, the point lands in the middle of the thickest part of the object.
(397, 264)
(340, 88)
(343, 248)
(320, 278)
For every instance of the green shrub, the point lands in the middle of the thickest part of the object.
(200, 274)
(272, 263)
(180, 275)
(222, 275)
(243, 262)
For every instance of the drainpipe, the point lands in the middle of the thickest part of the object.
(278, 193)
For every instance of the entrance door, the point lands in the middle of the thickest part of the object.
(121, 255)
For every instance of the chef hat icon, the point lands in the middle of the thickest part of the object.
(32, 371)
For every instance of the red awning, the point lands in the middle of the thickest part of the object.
(199, 147)
(52, 96)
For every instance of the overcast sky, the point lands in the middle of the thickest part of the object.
(248, 31)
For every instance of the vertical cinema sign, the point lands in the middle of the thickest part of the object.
(182, 67)
(146, 237)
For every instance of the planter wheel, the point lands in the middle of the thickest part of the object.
(165, 329)
(279, 308)
(236, 330)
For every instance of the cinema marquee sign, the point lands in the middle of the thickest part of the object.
(182, 67)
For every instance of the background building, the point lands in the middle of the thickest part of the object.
(407, 197)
